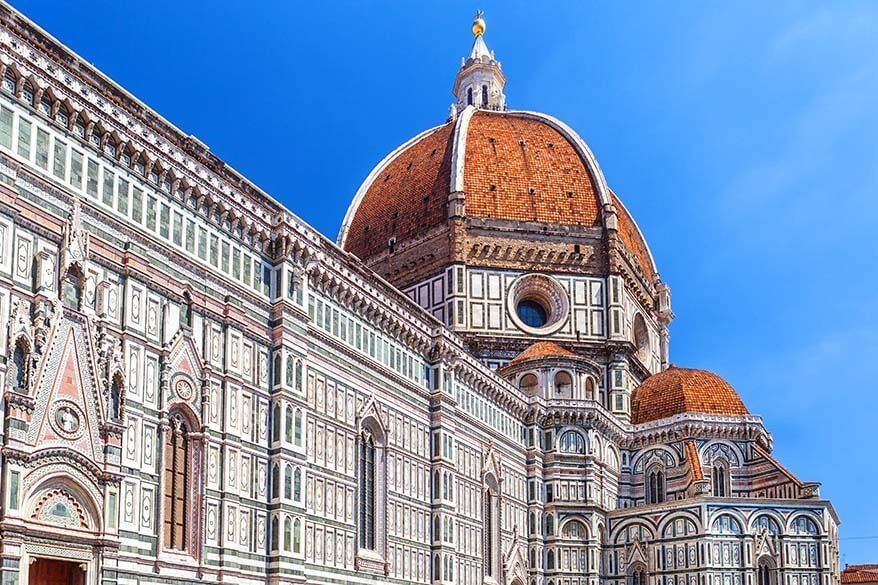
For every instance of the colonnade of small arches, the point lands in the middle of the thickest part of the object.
(561, 384)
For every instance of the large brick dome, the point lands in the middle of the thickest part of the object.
(680, 390)
(508, 165)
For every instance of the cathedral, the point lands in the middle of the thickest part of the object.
(471, 386)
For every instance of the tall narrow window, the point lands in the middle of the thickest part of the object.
(469, 96)
(42, 149)
(367, 490)
(275, 423)
(290, 371)
(288, 482)
(485, 96)
(24, 138)
(6, 127)
(176, 484)
(297, 484)
(288, 534)
(289, 425)
(297, 536)
(275, 481)
(489, 531)
(721, 483)
(275, 533)
(655, 485)
(491, 519)
(298, 429)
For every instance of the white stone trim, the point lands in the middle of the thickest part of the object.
(458, 149)
(640, 233)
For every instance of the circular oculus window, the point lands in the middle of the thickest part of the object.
(538, 304)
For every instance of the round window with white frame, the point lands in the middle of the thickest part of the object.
(538, 304)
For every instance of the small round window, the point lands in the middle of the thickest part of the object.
(532, 313)
(537, 304)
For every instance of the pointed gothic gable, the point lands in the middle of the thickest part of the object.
(490, 464)
(370, 410)
(636, 554)
(70, 409)
(515, 566)
(185, 371)
(764, 545)
(183, 357)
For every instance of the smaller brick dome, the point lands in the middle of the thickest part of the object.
(542, 349)
(679, 390)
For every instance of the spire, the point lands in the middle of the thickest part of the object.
(480, 81)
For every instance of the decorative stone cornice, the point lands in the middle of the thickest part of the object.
(696, 425)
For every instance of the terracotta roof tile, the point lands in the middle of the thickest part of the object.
(694, 460)
(679, 390)
(630, 236)
(860, 574)
(542, 349)
(409, 197)
(522, 169)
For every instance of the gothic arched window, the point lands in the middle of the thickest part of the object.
(288, 534)
(655, 485)
(275, 423)
(176, 484)
(491, 519)
(721, 480)
(288, 426)
(298, 428)
(297, 536)
(469, 96)
(275, 481)
(297, 484)
(290, 367)
(298, 374)
(484, 95)
(275, 533)
(288, 482)
(368, 494)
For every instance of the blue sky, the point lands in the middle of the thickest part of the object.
(742, 136)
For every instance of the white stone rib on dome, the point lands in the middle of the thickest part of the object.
(370, 178)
